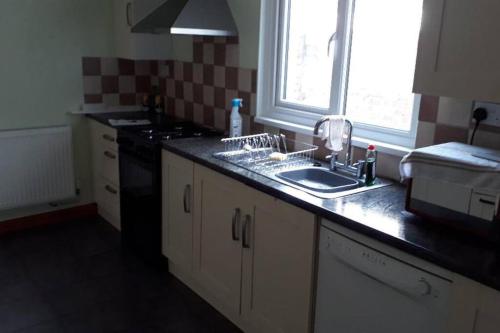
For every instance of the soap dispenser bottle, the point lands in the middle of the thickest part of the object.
(235, 128)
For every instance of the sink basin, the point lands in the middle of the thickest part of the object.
(319, 180)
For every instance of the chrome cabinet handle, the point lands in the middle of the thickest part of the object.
(108, 138)
(235, 226)
(246, 227)
(110, 189)
(127, 13)
(187, 199)
(109, 155)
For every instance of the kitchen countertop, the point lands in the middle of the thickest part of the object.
(377, 213)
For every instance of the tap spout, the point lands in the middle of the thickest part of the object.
(319, 123)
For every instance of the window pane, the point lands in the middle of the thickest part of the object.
(307, 65)
(382, 65)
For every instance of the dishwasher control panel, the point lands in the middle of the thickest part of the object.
(387, 270)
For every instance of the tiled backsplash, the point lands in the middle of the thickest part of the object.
(443, 119)
(117, 81)
(202, 91)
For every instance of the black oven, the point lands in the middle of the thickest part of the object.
(140, 196)
(140, 182)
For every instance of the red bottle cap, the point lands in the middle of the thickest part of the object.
(371, 147)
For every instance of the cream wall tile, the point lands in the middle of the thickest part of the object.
(454, 112)
(92, 85)
(220, 76)
(111, 99)
(208, 54)
(126, 84)
(425, 134)
(245, 80)
(232, 55)
(198, 113)
(388, 166)
(487, 140)
(220, 119)
(109, 66)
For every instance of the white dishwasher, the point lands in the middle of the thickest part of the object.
(361, 290)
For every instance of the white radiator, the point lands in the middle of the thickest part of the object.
(36, 166)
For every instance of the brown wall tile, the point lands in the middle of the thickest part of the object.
(91, 66)
(208, 75)
(109, 84)
(126, 67)
(445, 133)
(231, 78)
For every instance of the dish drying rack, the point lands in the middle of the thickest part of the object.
(265, 152)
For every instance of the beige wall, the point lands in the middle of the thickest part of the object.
(40, 71)
(246, 13)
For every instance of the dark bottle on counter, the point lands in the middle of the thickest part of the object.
(371, 162)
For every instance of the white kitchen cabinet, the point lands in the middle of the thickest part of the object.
(487, 319)
(134, 45)
(105, 169)
(177, 210)
(222, 203)
(278, 266)
(458, 52)
(255, 255)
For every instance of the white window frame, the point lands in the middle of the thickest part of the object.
(298, 118)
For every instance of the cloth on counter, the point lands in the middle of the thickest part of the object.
(333, 132)
(454, 162)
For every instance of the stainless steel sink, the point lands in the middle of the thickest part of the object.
(319, 180)
(323, 183)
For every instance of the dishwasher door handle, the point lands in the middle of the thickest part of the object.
(421, 288)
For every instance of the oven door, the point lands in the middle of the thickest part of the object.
(140, 193)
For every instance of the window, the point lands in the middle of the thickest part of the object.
(353, 57)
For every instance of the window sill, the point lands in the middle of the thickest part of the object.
(359, 142)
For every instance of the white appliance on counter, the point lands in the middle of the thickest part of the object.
(363, 290)
(456, 185)
(453, 180)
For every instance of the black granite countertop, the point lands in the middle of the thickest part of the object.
(378, 213)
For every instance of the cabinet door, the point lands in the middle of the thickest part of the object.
(459, 53)
(218, 235)
(278, 267)
(177, 210)
(487, 315)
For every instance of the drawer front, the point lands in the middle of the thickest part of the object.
(103, 136)
(483, 206)
(108, 197)
(108, 165)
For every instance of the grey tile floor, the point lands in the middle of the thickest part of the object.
(74, 277)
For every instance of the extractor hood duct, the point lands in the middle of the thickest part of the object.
(189, 17)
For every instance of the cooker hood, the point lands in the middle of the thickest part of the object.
(189, 17)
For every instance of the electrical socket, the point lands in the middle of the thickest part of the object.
(493, 111)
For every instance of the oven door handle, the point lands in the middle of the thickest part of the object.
(187, 199)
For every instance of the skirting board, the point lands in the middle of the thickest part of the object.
(59, 216)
